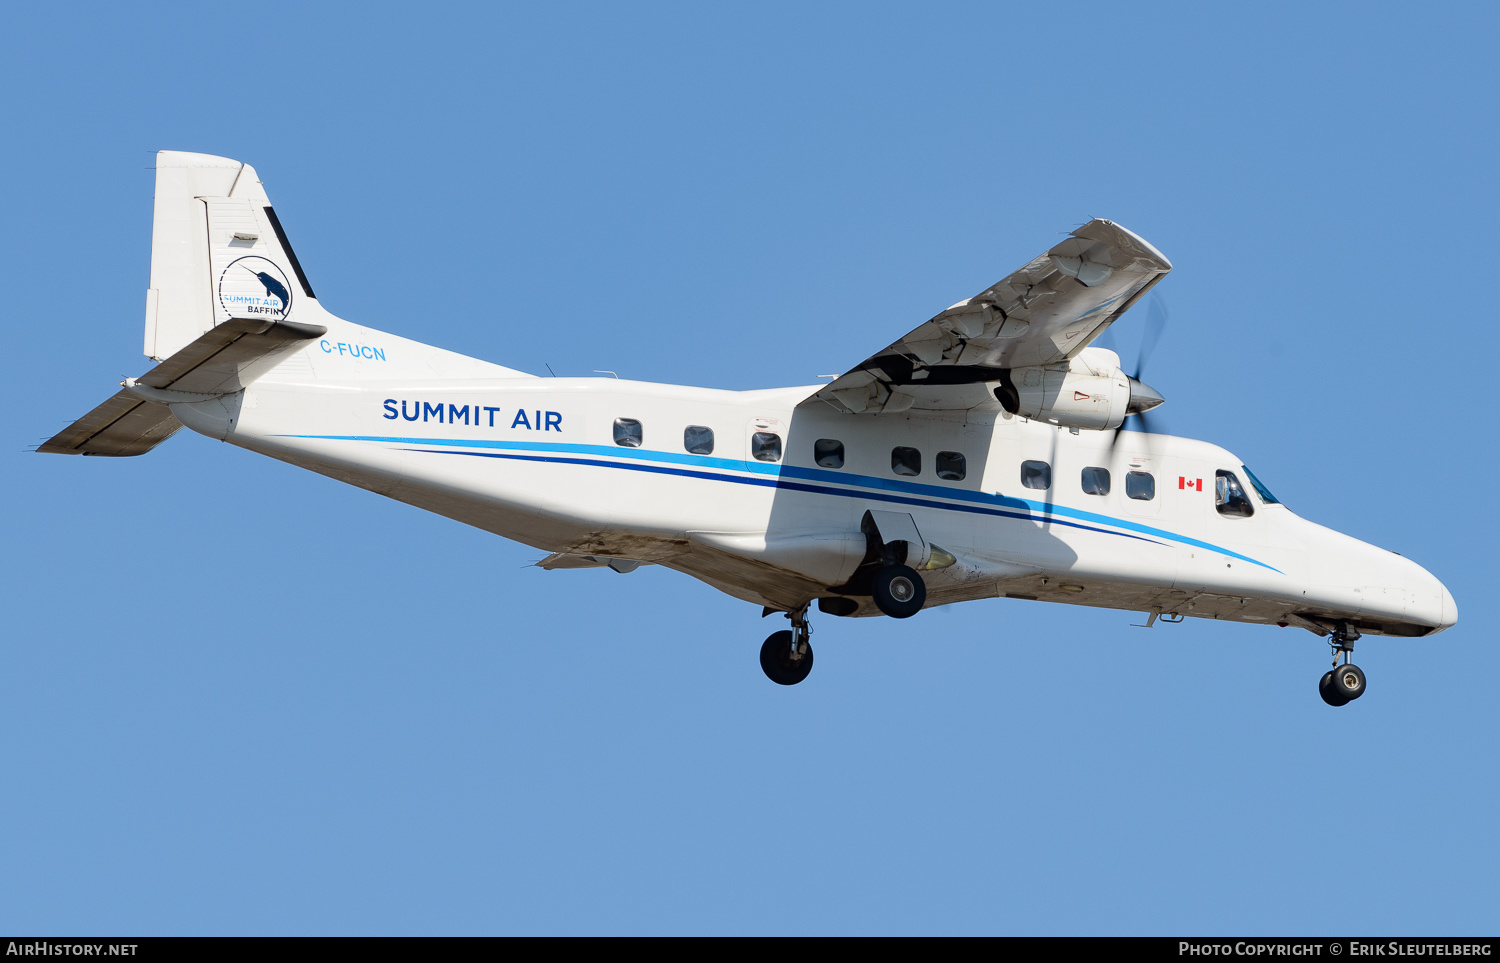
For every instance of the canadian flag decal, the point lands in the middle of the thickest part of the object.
(1191, 484)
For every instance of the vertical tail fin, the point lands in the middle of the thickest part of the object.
(217, 251)
(219, 255)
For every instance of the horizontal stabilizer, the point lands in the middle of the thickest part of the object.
(228, 357)
(220, 361)
(123, 425)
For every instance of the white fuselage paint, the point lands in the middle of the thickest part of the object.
(780, 534)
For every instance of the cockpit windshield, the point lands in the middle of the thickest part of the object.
(1260, 489)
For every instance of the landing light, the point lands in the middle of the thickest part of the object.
(938, 558)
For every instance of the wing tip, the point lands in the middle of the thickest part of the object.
(1113, 232)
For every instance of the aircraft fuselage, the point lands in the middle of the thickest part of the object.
(540, 460)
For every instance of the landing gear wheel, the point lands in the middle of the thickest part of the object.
(1326, 690)
(1348, 682)
(899, 592)
(786, 662)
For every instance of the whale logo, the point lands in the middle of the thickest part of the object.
(254, 287)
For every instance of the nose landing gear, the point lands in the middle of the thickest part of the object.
(787, 657)
(1344, 683)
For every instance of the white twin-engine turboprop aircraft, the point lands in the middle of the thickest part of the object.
(980, 455)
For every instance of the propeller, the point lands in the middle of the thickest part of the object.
(1156, 323)
(1143, 397)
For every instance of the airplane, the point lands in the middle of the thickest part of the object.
(983, 454)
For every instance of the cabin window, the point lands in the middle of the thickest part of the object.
(951, 466)
(828, 453)
(1260, 489)
(906, 461)
(1140, 485)
(628, 432)
(1036, 474)
(1096, 481)
(1229, 498)
(698, 440)
(765, 446)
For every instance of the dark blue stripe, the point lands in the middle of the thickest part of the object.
(780, 483)
(864, 486)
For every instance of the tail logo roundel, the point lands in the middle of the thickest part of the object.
(253, 287)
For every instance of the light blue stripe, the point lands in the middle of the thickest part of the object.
(613, 451)
(825, 476)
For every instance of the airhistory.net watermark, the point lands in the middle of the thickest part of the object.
(39, 948)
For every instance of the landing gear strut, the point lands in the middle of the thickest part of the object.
(1346, 682)
(787, 657)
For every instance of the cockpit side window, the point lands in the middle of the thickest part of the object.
(1229, 498)
(1260, 489)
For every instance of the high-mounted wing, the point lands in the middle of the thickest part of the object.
(1043, 314)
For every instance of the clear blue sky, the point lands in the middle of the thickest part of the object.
(242, 698)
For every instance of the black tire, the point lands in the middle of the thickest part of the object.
(1326, 690)
(780, 664)
(899, 592)
(1348, 682)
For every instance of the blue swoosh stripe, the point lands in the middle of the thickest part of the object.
(858, 485)
(778, 484)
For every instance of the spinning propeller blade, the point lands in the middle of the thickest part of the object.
(1143, 397)
(1156, 323)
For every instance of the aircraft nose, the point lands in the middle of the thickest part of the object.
(1433, 603)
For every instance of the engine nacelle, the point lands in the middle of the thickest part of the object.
(1088, 391)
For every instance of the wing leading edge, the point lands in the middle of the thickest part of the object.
(1044, 313)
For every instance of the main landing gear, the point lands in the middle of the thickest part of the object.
(787, 657)
(898, 591)
(1346, 682)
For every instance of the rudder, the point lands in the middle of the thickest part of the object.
(217, 251)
